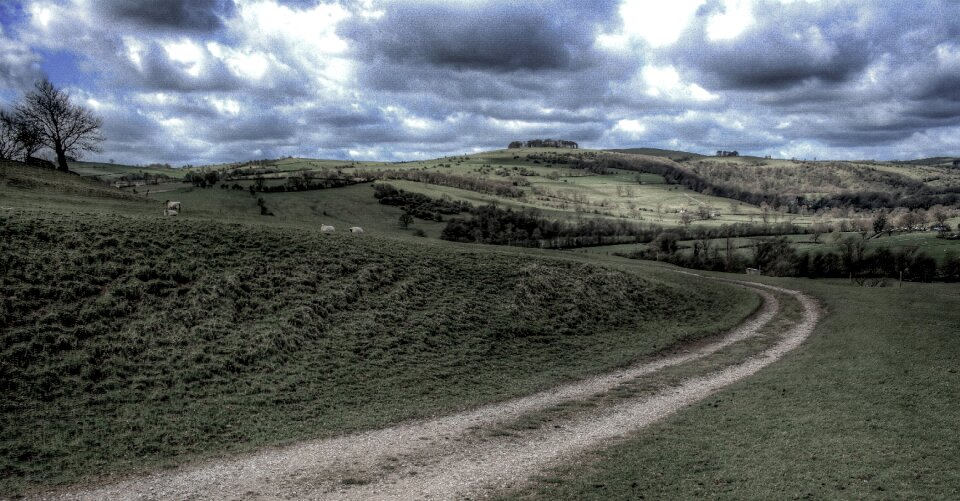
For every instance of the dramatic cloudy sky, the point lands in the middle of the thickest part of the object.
(196, 81)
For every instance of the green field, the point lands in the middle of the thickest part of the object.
(556, 189)
(131, 341)
(865, 409)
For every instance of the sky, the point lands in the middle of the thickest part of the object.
(207, 81)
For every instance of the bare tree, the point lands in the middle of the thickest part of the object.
(941, 218)
(9, 146)
(817, 229)
(880, 223)
(62, 126)
(909, 220)
(703, 212)
(18, 140)
(406, 219)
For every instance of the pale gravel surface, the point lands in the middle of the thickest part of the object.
(438, 459)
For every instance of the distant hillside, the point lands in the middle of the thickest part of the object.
(20, 176)
(936, 161)
(130, 173)
(675, 155)
(796, 186)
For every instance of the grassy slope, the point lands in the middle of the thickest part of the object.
(657, 152)
(107, 171)
(341, 207)
(578, 193)
(599, 196)
(864, 409)
(24, 186)
(130, 340)
(814, 179)
(823, 433)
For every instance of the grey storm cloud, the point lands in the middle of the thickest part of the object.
(491, 36)
(341, 117)
(255, 127)
(19, 66)
(788, 46)
(160, 72)
(192, 15)
(848, 74)
(128, 127)
(436, 77)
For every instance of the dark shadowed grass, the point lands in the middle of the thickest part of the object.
(866, 408)
(135, 342)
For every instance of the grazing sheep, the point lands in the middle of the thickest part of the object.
(356, 229)
(326, 228)
(173, 205)
(170, 212)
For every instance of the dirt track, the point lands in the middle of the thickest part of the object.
(444, 458)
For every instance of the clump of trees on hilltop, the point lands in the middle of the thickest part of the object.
(544, 143)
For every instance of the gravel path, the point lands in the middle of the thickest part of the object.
(441, 458)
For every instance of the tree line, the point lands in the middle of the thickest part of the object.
(503, 188)
(417, 204)
(46, 118)
(711, 249)
(776, 256)
(490, 224)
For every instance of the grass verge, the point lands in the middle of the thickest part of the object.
(865, 409)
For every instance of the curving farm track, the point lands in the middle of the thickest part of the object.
(453, 457)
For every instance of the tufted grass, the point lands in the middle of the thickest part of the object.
(132, 342)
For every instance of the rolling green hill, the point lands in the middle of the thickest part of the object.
(113, 172)
(130, 340)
